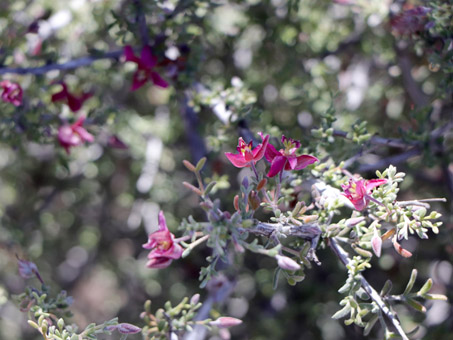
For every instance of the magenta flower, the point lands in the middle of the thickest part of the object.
(359, 191)
(247, 155)
(286, 159)
(73, 135)
(74, 102)
(411, 21)
(12, 92)
(145, 65)
(163, 247)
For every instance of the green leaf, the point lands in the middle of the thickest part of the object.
(416, 305)
(440, 297)
(276, 277)
(342, 312)
(387, 288)
(411, 282)
(426, 287)
(370, 324)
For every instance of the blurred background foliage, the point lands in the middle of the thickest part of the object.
(277, 66)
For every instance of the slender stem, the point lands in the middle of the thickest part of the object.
(252, 164)
(199, 241)
(279, 184)
(72, 64)
(374, 295)
(263, 190)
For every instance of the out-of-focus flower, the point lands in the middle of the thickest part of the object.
(74, 102)
(145, 68)
(359, 191)
(12, 92)
(225, 322)
(247, 155)
(73, 135)
(162, 245)
(28, 269)
(286, 159)
(116, 143)
(285, 262)
(411, 21)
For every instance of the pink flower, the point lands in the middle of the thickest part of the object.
(163, 247)
(12, 92)
(73, 135)
(74, 102)
(145, 66)
(246, 155)
(286, 159)
(359, 191)
(410, 21)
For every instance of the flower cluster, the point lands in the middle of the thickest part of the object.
(283, 159)
(164, 248)
(12, 92)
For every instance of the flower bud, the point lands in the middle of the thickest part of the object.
(285, 262)
(236, 202)
(225, 322)
(376, 243)
(261, 184)
(127, 328)
(194, 300)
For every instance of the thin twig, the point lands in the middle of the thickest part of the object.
(69, 65)
(374, 295)
(392, 142)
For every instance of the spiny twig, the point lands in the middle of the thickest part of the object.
(374, 295)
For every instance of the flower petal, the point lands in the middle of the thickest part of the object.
(147, 58)
(260, 150)
(159, 263)
(129, 54)
(158, 80)
(162, 222)
(271, 153)
(138, 80)
(373, 183)
(237, 159)
(277, 165)
(304, 160)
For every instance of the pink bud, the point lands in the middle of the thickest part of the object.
(127, 328)
(225, 322)
(194, 300)
(285, 262)
(376, 244)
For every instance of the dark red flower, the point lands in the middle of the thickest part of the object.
(286, 159)
(145, 68)
(12, 92)
(74, 102)
(410, 21)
